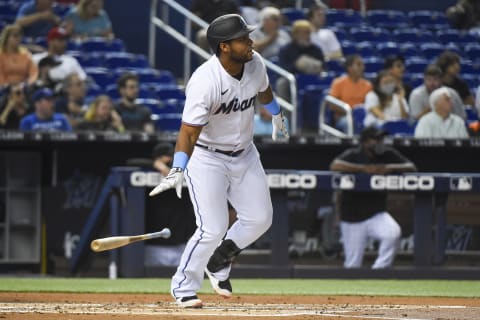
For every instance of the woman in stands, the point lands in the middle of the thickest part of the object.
(386, 102)
(88, 19)
(101, 116)
(16, 63)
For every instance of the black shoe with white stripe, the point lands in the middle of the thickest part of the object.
(189, 302)
(223, 288)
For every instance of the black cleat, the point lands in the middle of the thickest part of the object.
(223, 288)
(189, 302)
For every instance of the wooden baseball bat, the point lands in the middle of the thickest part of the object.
(109, 243)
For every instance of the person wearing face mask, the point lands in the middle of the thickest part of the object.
(363, 215)
(386, 102)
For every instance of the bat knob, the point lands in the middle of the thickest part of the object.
(95, 245)
(167, 233)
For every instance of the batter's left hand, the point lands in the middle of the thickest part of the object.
(278, 122)
(174, 179)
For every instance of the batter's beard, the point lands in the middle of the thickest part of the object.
(241, 59)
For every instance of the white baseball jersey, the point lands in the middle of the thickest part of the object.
(223, 104)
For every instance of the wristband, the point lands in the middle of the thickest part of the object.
(272, 107)
(180, 160)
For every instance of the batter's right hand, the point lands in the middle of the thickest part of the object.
(174, 179)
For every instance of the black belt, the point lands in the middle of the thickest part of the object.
(227, 153)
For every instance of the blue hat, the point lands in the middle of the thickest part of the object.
(42, 93)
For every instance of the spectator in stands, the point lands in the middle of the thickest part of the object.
(350, 88)
(465, 14)
(101, 116)
(262, 123)
(396, 67)
(322, 37)
(208, 10)
(44, 118)
(44, 80)
(386, 102)
(299, 56)
(16, 63)
(135, 117)
(249, 11)
(449, 63)
(13, 107)
(477, 100)
(363, 215)
(418, 101)
(441, 122)
(57, 44)
(270, 37)
(89, 19)
(36, 17)
(72, 101)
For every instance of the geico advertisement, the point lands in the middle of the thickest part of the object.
(291, 181)
(409, 182)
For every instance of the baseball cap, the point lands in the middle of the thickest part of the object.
(57, 33)
(48, 61)
(372, 133)
(42, 93)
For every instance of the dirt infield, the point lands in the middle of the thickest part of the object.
(66, 306)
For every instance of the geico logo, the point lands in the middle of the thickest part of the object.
(402, 182)
(145, 179)
(292, 181)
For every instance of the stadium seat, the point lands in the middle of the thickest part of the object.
(472, 114)
(468, 67)
(414, 79)
(431, 20)
(91, 60)
(413, 35)
(101, 76)
(348, 47)
(455, 36)
(365, 49)
(340, 33)
(116, 60)
(370, 34)
(388, 49)
(164, 92)
(153, 76)
(61, 9)
(431, 50)
(358, 114)
(416, 64)
(399, 127)
(309, 102)
(8, 11)
(169, 122)
(102, 45)
(335, 66)
(471, 79)
(304, 80)
(293, 14)
(472, 51)
(373, 64)
(344, 18)
(391, 19)
(408, 50)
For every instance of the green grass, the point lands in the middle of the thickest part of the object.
(431, 288)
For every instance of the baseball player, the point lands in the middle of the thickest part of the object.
(363, 215)
(216, 141)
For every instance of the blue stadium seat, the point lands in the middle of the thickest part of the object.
(310, 100)
(61, 9)
(431, 50)
(408, 50)
(169, 122)
(416, 64)
(335, 66)
(304, 80)
(115, 60)
(399, 127)
(344, 18)
(365, 49)
(455, 36)
(472, 114)
(370, 34)
(388, 49)
(103, 45)
(472, 51)
(348, 47)
(413, 35)
(8, 11)
(471, 79)
(153, 76)
(293, 14)
(358, 115)
(91, 60)
(432, 20)
(391, 19)
(468, 67)
(101, 76)
(164, 92)
(373, 64)
(340, 33)
(414, 79)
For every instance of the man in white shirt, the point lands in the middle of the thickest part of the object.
(57, 43)
(322, 37)
(418, 100)
(441, 122)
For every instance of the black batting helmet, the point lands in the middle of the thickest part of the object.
(227, 27)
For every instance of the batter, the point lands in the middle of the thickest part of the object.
(216, 140)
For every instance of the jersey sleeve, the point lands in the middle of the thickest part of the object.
(199, 94)
(264, 76)
(371, 100)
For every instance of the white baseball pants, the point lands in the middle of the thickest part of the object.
(212, 179)
(355, 235)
